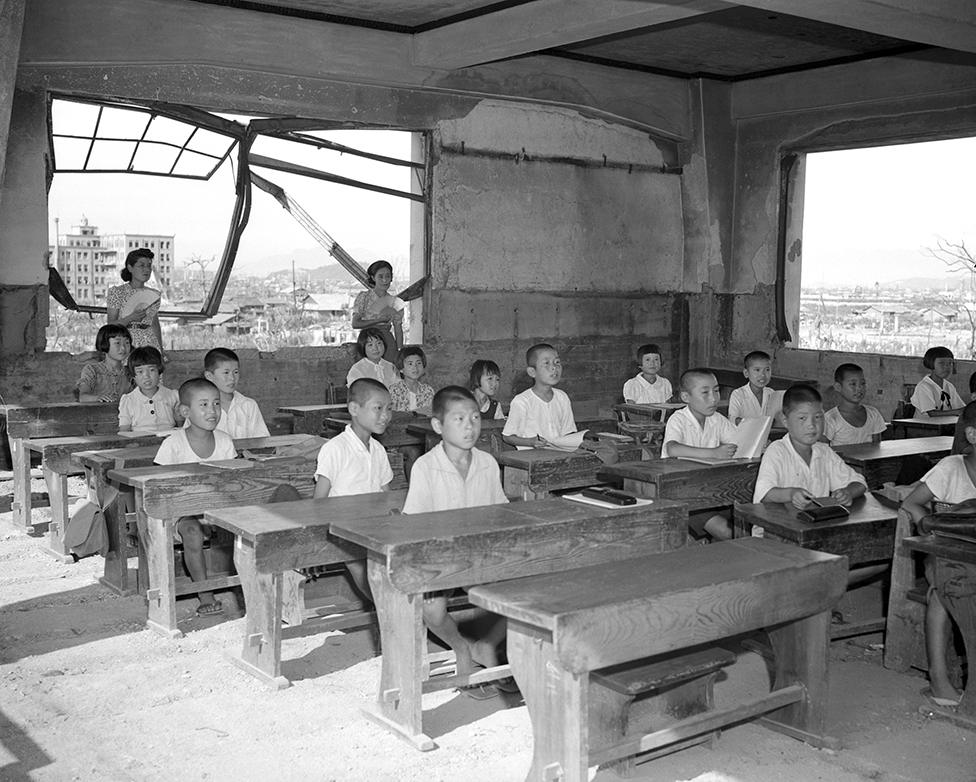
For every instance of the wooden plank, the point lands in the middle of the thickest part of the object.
(881, 462)
(947, 548)
(701, 486)
(66, 419)
(666, 602)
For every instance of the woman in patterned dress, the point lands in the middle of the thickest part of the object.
(378, 309)
(143, 321)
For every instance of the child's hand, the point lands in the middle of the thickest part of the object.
(540, 442)
(726, 450)
(106, 398)
(138, 313)
(801, 499)
(843, 496)
(396, 315)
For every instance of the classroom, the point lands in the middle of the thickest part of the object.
(591, 177)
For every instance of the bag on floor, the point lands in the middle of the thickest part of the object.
(86, 533)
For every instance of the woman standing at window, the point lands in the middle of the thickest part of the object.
(135, 306)
(377, 308)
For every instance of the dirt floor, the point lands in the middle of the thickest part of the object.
(86, 693)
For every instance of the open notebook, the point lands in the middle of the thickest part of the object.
(750, 435)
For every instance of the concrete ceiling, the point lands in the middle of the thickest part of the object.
(710, 38)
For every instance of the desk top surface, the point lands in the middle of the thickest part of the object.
(310, 408)
(782, 518)
(252, 521)
(546, 600)
(425, 427)
(384, 534)
(118, 457)
(654, 469)
(894, 449)
(525, 459)
(943, 547)
(929, 422)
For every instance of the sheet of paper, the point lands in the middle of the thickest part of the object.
(751, 435)
(229, 464)
(601, 504)
(568, 442)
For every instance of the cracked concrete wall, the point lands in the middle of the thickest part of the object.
(534, 239)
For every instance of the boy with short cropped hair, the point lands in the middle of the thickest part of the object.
(798, 468)
(756, 399)
(647, 386)
(240, 415)
(150, 406)
(851, 421)
(699, 431)
(542, 412)
(454, 474)
(199, 441)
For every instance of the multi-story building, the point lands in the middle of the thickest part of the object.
(90, 262)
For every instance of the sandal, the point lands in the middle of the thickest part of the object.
(209, 609)
(480, 692)
(507, 685)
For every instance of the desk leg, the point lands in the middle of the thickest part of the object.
(57, 491)
(800, 650)
(157, 538)
(403, 636)
(21, 503)
(116, 574)
(557, 704)
(956, 585)
(261, 654)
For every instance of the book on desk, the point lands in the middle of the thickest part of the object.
(750, 439)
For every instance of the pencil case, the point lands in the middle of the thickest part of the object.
(826, 513)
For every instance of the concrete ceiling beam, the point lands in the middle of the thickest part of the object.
(545, 24)
(950, 24)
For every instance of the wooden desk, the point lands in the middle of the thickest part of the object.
(396, 433)
(535, 472)
(866, 536)
(564, 626)
(702, 487)
(310, 419)
(881, 462)
(955, 583)
(272, 541)
(924, 427)
(57, 463)
(435, 551)
(164, 494)
(58, 419)
(490, 440)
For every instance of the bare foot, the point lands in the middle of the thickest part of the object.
(484, 654)
(945, 691)
(464, 663)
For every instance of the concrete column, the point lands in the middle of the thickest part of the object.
(11, 27)
(23, 228)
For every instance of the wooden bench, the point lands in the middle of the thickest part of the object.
(866, 537)
(57, 419)
(272, 542)
(882, 462)
(564, 627)
(440, 551)
(164, 494)
(535, 472)
(703, 487)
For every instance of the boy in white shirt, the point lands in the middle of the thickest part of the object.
(851, 421)
(756, 399)
(150, 406)
(199, 441)
(543, 412)
(353, 462)
(935, 395)
(240, 415)
(700, 432)
(454, 474)
(647, 386)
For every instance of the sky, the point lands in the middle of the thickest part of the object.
(869, 213)
(366, 224)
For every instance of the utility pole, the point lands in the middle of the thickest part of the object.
(294, 292)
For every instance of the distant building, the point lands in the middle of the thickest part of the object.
(90, 262)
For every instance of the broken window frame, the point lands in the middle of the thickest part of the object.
(245, 134)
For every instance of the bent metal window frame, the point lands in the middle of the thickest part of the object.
(240, 138)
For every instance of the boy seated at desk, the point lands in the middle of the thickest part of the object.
(452, 475)
(756, 399)
(541, 413)
(698, 431)
(240, 415)
(852, 421)
(353, 462)
(199, 441)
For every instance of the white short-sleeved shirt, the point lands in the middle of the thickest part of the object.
(783, 467)
(643, 393)
(928, 396)
(381, 370)
(683, 428)
(176, 449)
(436, 484)
(242, 418)
(743, 403)
(529, 416)
(352, 469)
(949, 481)
(839, 432)
(139, 412)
